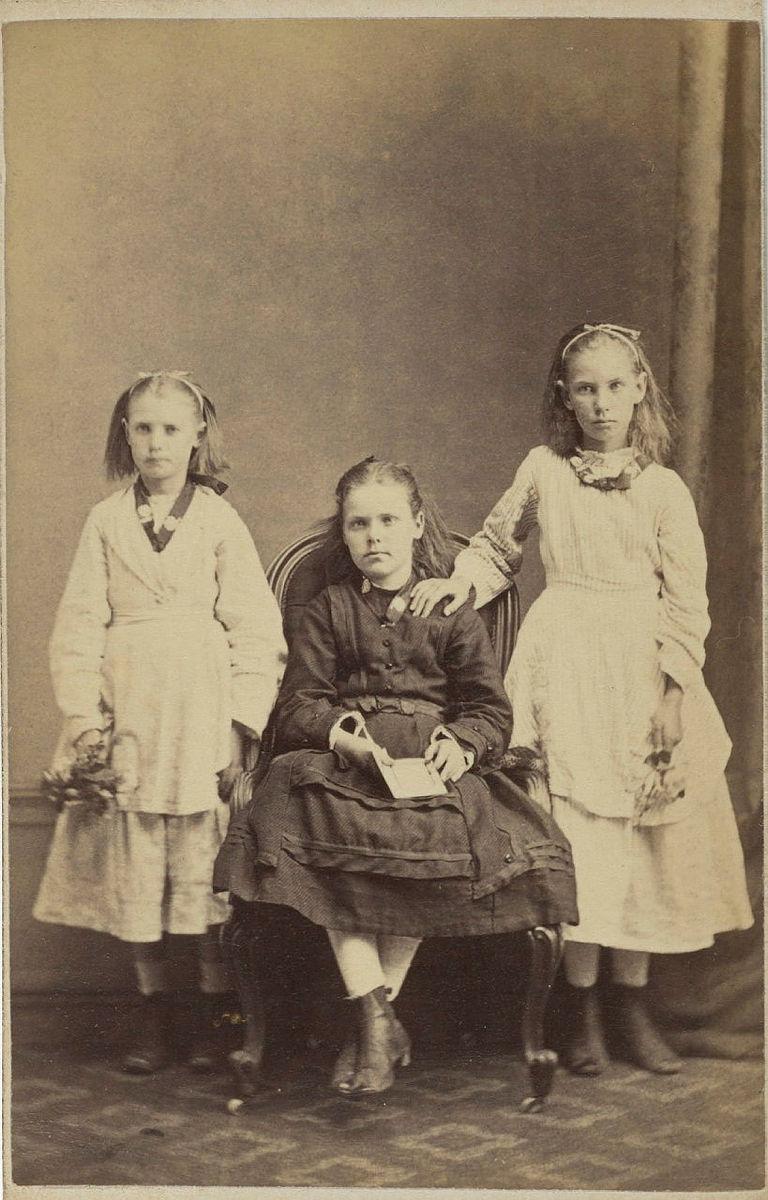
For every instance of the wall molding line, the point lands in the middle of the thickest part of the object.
(28, 807)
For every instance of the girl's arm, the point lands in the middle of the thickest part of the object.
(480, 709)
(247, 609)
(685, 618)
(308, 705)
(76, 647)
(493, 556)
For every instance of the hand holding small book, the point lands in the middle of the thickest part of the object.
(361, 751)
(448, 759)
(406, 778)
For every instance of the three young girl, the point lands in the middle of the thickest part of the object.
(606, 682)
(167, 649)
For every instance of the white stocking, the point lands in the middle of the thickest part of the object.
(357, 957)
(396, 955)
(630, 967)
(582, 963)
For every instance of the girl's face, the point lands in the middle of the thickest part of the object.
(379, 530)
(162, 429)
(601, 389)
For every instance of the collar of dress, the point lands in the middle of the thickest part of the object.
(160, 537)
(611, 471)
(399, 602)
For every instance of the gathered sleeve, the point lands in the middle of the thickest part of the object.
(495, 553)
(250, 615)
(77, 643)
(481, 715)
(308, 705)
(685, 620)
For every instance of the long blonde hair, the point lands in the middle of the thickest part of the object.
(653, 421)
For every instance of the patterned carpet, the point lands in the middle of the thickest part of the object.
(449, 1122)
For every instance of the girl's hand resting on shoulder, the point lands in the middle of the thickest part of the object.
(361, 752)
(429, 592)
(447, 757)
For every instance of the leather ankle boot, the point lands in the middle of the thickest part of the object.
(383, 1043)
(211, 1031)
(585, 1052)
(150, 1049)
(346, 1064)
(638, 1037)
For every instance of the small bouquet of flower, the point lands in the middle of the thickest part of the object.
(524, 766)
(661, 783)
(527, 769)
(89, 782)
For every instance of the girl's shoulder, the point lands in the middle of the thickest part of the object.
(541, 460)
(668, 486)
(542, 453)
(535, 471)
(212, 499)
(216, 509)
(464, 618)
(537, 456)
(111, 504)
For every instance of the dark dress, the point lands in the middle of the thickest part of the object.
(327, 839)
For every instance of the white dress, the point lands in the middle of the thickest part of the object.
(624, 605)
(164, 650)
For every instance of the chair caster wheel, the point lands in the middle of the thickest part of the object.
(234, 1106)
(532, 1104)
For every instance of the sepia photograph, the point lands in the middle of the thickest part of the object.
(383, 612)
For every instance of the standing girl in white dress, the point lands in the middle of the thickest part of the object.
(167, 653)
(606, 683)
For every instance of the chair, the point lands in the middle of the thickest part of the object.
(296, 575)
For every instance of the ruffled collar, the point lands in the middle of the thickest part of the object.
(611, 471)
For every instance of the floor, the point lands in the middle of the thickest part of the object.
(452, 1120)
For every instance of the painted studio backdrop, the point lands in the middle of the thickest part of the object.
(366, 236)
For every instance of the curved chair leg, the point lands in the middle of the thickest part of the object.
(240, 945)
(546, 951)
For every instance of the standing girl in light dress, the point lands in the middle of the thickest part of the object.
(168, 650)
(606, 683)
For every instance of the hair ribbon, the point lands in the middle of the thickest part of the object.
(630, 336)
(182, 377)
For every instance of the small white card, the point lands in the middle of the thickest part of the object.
(412, 779)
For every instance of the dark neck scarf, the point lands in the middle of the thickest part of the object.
(159, 538)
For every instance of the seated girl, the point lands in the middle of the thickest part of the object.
(368, 682)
